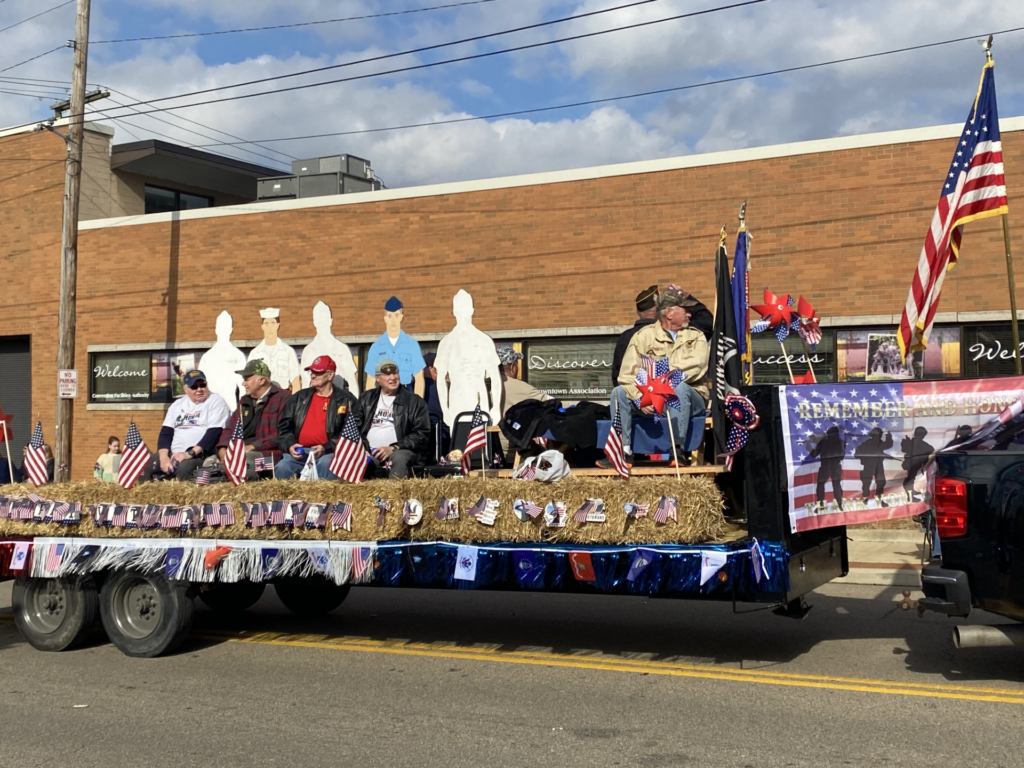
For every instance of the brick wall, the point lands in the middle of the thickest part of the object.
(843, 228)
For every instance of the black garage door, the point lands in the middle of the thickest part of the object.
(16, 389)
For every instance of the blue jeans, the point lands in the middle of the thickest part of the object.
(690, 404)
(289, 467)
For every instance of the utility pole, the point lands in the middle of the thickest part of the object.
(69, 241)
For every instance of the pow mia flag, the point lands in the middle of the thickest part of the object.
(728, 373)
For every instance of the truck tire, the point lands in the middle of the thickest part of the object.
(313, 596)
(144, 614)
(55, 614)
(233, 598)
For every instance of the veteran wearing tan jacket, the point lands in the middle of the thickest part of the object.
(687, 350)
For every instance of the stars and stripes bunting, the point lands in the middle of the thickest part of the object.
(613, 447)
(134, 458)
(350, 457)
(35, 458)
(362, 561)
(234, 457)
(341, 517)
(476, 440)
(54, 556)
(974, 188)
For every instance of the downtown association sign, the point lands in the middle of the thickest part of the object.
(858, 453)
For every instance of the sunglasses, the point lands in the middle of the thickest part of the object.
(319, 373)
(387, 370)
(199, 385)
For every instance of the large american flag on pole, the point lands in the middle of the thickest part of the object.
(134, 459)
(234, 456)
(613, 447)
(35, 458)
(974, 188)
(350, 457)
(476, 440)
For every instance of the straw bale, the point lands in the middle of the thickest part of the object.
(699, 504)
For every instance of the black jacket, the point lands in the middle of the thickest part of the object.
(701, 319)
(412, 420)
(342, 405)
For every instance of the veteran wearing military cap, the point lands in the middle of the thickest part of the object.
(279, 357)
(260, 410)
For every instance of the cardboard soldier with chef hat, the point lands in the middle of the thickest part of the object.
(279, 357)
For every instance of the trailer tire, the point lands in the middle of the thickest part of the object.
(144, 614)
(312, 596)
(55, 614)
(233, 598)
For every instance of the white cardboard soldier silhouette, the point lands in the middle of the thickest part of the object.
(279, 357)
(465, 358)
(324, 343)
(221, 362)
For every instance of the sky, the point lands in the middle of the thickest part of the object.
(919, 88)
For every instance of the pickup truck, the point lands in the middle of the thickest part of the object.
(979, 523)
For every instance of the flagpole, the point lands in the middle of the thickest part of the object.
(807, 356)
(1013, 294)
(675, 452)
(785, 356)
(7, 450)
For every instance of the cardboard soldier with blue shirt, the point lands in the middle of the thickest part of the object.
(395, 344)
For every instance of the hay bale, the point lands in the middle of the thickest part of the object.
(699, 504)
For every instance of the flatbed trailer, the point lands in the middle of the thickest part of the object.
(142, 591)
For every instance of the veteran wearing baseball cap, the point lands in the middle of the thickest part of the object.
(190, 430)
(260, 410)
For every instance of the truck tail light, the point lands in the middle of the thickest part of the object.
(950, 508)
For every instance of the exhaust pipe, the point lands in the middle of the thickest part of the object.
(977, 636)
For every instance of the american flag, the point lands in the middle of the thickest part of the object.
(227, 513)
(476, 440)
(297, 510)
(362, 561)
(477, 508)
(53, 558)
(150, 516)
(134, 458)
(350, 457)
(203, 476)
(649, 365)
(613, 447)
(60, 509)
(582, 512)
(172, 517)
(528, 471)
(341, 517)
(35, 459)
(278, 512)
(665, 510)
(120, 516)
(258, 514)
(532, 509)
(974, 188)
(264, 464)
(234, 457)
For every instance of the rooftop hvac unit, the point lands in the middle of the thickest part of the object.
(276, 188)
(348, 164)
(319, 184)
(353, 184)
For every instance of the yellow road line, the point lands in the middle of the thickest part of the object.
(635, 666)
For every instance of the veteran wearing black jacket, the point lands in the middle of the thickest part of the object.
(312, 420)
(396, 424)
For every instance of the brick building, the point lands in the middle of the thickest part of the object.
(552, 261)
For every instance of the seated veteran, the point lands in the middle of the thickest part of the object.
(396, 424)
(190, 430)
(260, 410)
(312, 420)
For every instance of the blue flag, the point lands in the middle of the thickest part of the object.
(529, 568)
(172, 561)
(271, 560)
(644, 557)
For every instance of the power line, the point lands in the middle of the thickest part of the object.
(412, 68)
(33, 95)
(41, 13)
(39, 56)
(290, 26)
(659, 91)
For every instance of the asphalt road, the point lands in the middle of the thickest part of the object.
(425, 678)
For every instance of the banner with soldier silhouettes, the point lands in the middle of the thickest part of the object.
(858, 453)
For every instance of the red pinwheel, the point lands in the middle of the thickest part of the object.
(656, 392)
(807, 378)
(775, 310)
(809, 327)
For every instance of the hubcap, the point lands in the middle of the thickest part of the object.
(136, 607)
(46, 605)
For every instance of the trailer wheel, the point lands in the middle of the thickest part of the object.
(144, 614)
(233, 598)
(55, 614)
(310, 597)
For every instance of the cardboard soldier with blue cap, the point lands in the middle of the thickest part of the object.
(399, 346)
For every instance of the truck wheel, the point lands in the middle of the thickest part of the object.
(144, 614)
(55, 614)
(310, 597)
(233, 598)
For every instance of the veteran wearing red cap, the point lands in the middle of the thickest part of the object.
(312, 421)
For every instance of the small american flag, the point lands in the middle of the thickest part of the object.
(974, 188)
(637, 510)
(297, 510)
(203, 476)
(613, 448)
(60, 509)
(665, 510)
(234, 457)
(258, 514)
(582, 512)
(150, 516)
(264, 464)
(172, 517)
(526, 472)
(477, 508)
(350, 457)
(227, 513)
(647, 364)
(53, 558)
(362, 561)
(476, 440)
(120, 516)
(341, 517)
(532, 509)
(278, 513)
(134, 459)
(35, 458)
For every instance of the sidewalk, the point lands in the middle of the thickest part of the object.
(885, 558)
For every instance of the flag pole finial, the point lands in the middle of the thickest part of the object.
(987, 45)
(743, 216)
(721, 237)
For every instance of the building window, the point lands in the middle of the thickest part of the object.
(988, 351)
(161, 200)
(770, 362)
(139, 377)
(571, 370)
(874, 355)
